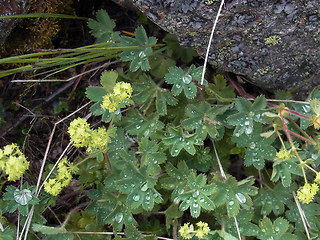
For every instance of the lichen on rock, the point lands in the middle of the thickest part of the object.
(275, 44)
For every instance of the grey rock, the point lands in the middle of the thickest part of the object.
(275, 44)
(8, 8)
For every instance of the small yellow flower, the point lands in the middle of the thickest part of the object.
(121, 91)
(13, 162)
(53, 187)
(80, 132)
(285, 155)
(203, 229)
(65, 170)
(100, 139)
(110, 103)
(186, 231)
(307, 192)
(317, 179)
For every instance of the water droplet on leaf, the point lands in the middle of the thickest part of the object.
(248, 131)
(196, 194)
(142, 54)
(119, 217)
(136, 198)
(187, 79)
(241, 198)
(144, 187)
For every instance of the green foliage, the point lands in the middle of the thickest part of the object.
(19, 199)
(234, 194)
(184, 81)
(227, 166)
(276, 230)
(138, 57)
(102, 28)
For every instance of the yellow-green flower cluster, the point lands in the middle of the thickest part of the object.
(121, 91)
(65, 170)
(13, 162)
(285, 155)
(307, 192)
(82, 136)
(187, 230)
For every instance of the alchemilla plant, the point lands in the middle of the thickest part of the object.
(157, 166)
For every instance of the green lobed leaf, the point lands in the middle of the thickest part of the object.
(138, 57)
(184, 81)
(149, 93)
(248, 113)
(108, 80)
(246, 227)
(258, 148)
(139, 186)
(160, 64)
(8, 234)
(96, 94)
(276, 230)
(110, 208)
(177, 51)
(273, 199)
(141, 126)
(284, 169)
(202, 118)
(176, 177)
(234, 194)
(102, 28)
(195, 195)
(311, 212)
(133, 234)
(150, 156)
(220, 89)
(178, 140)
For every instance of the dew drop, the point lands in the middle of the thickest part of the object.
(195, 205)
(142, 54)
(138, 127)
(237, 135)
(231, 203)
(306, 108)
(246, 123)
(252, 145)
(276, 229)
(248, 130)
(144, 187)
(178, 86)
(119, 217)
(180, 191)
(176, 200)
(136, 198)
(148, 197)
(196, 194)
(241, 198)
(187, 79)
